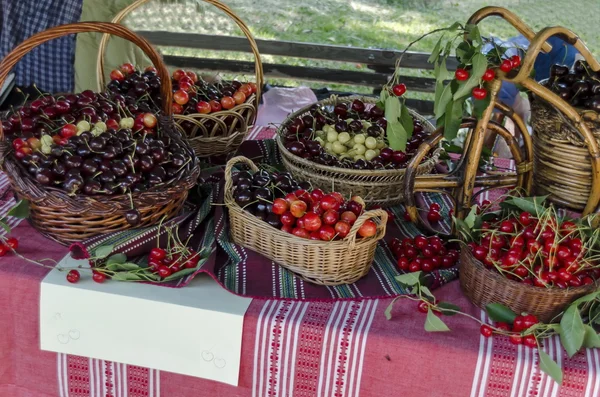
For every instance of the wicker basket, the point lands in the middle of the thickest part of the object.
(483, 286)
(67, 219)
(320, 262)
(562, 163)
(376, 187)
(214, 133)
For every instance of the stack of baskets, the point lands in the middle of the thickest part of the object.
(377, 187)
(66, 218)
(215, 133)
(320, 262)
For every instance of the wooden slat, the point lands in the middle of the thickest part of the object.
(419, 84)
(367, 56)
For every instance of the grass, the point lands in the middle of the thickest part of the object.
(389, 24)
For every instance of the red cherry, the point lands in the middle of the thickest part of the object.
(127, 68)
(215, 106)
(326, 233)
(3, 250)
(99, 277)
(227, 102)
(423, 307)
(421, 241)
(68, 130)
(368, 229)
(506, 66)
(410, 252)
(12, 243)
(435, 207)
(489, 75)
(529, 321)
(516, 339)
(157, 254)
(164, 271)
(280, 206)
(301, 232)
(518, 324)
(149, 120)
(575, 244)
(486, 330)
(399, 89)
(503, 326)
(73, 276)
(461, 74)
(403, 263)
(407, 217)
(587, 280)
(312, 222)
(342, 228)
(515, 61)
(179, 73)
(433, 216)
(287, 219)
(479, 93)
(530, 341)
(117, 75)
(181, 97)
(317, 195)
(203, 107)
(525, 218)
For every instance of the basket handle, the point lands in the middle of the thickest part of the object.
(244, 28)
(376, 213)
(231, 163)
(82, 27)
(511, 18)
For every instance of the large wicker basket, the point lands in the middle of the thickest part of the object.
(215, 133)
(67, 218)
(483, 286)
(562, 164)
(376, 187)
(320, 262)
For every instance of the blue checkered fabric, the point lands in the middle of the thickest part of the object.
(51, 65)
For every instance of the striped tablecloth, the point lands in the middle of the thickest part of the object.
(289, 348)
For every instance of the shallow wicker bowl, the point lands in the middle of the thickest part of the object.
(67, 219)
(376, 187)
(483, 286)
(320, 262)
(562, 164)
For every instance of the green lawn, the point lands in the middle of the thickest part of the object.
(360, 23)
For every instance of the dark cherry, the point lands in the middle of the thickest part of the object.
(146, 163)
(243, 197)
(133, 217)
(91, 187)
(107, 176)
(119, 168)
(44, 177)
(341, 126)
(355, 126)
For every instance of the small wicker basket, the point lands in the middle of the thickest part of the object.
(483, 286)
(376, 187)
(215, 133)
(320, 262)
(562, 164)
(67, 219)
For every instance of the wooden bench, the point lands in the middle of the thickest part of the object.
(380, 62)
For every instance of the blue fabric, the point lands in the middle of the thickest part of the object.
(561, 53)
(51, 65)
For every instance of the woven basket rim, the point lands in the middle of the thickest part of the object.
(370, 173)
(552, 291)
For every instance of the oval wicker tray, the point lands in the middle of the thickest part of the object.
(67, 219)
(320, 262)
(376, 187)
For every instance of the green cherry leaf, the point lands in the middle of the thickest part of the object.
(448, 309)
(126, 276)
(396, 135)
(550, 367)
(427, 292)
(407, 121)
(470, 219)
(409, 279)
(388, 310)
(116, 258)
(480, 64)
(591, 338)
(20, 210)
(572, 330)
(440, 106)
(501, 313)
(103, 251)
(434, 324)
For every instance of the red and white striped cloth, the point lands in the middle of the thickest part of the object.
(300, 349)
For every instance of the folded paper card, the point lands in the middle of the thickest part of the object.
(195, 330)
